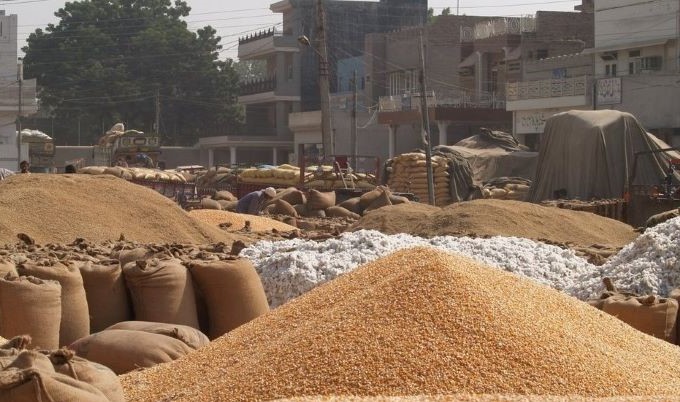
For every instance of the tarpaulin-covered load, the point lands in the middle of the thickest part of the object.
(493, 154)
(590, 154)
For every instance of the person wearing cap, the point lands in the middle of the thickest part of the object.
(145, 161)
(253, 203)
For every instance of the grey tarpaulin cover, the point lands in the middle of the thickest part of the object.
(493, 154)
(590, 154)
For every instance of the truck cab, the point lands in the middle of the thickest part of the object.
(126, 145)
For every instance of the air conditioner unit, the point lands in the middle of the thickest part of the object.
(609, 56)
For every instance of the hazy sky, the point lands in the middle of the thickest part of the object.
(236, 18)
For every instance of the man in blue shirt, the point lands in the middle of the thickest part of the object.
(253, 203)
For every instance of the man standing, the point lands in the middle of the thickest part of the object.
(253, 203)
(24, 167)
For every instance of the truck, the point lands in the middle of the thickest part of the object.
(119, 143)
(40, 150)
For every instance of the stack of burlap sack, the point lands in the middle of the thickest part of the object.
(507, 188)
(327, 177)
(212, 177)
(651, 314)
(90, 306)
(408, 174)
(136, 173)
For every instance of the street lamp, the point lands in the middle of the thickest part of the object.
(324, 89)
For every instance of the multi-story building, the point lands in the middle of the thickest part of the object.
(292, 82)
(9, 94)
(637, 61)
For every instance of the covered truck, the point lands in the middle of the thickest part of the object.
(118, 143)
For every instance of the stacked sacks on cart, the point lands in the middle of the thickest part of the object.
(407, 173)
(326, 177)
(213, 177)
(136, 173)
(283, 175)
(126, 306)
(507, 188)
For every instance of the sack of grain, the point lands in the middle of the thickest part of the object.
(318, 200)
(367, 199)
(397, 199)
(162, 291)
(291, 195)
(652, 315)
(228, 205)
(7, 267)
(499, 193)
(282, 207)
(75, 316)
(233, 293)
(123, 350)
(207, 203)
(125, 257)
(301, 209)
(191, 336)
(383, 200)
(340, 212)
(316, 213)
(224, 195)
(31, 377)
(352, 204)
(107, 297)
(101, 377)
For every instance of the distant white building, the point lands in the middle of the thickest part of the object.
(9, 93)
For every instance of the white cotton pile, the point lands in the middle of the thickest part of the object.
(290, 268)
(648, 265)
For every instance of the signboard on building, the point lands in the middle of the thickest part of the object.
(533, 121)
(609, 91)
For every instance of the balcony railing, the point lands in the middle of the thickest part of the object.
(258, 86)
(504, 26)
(258, 35)
(457, 99)
(547, 88)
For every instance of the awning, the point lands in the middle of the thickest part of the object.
(622, 46)
(469, 61)
(514, 54)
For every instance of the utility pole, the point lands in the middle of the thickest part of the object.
(20, 79)
(324, 86)
(594, 93)
(457, 7)
(355, 101)
(157, 123)
(424, 111)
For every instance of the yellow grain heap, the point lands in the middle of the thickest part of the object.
(238, 221)
(421, 322)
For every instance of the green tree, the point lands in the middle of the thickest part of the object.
(446, 11)
(249, 70)
(110, 60)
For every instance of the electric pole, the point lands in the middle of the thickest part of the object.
(324, 86)
(355, 99)
(20, 79)
(157, 123)
(424, 111)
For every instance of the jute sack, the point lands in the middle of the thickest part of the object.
(101, 377)
(31, 306)
(352, 204)
(136, 254)
(318, 200)
(315, 213)
(75, 316)
(397, 199)
(367, 199)
(340, 212)
(31, 377)
(228, 205)
(107, 296)
(282, 207)
(188, 335)
(123, 351)
(652, 315)
(233, 293)
(224, 195)
(162, 291)
(383, 200)
(7, 267)
(207, 203)
(291, 195)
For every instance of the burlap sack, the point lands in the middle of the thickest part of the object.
(162, 291)
(123, 351)
(75, 316)
(207, 203)
(318, 200)
(367, 199)
(652, 315)
(340, 212)
(136, 254)
(31, 306)
(107, 296)
(7, 267)
(397, 199)
(315, 213)
(291, 195)
(224, 195)
(31, 377)
(188, 335)
(282, 207)
(101, 377)
(233, 293)
(228, 205)
(301, 209)
(383, 200)
(352, 204)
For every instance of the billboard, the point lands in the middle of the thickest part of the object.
(609, 91)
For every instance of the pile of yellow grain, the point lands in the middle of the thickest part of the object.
(475, 398)
(237, 222)
(421, 322)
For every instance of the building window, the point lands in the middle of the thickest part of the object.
(645, 64)
(541, 54)
(610, 70)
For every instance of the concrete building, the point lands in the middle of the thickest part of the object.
(292, 84)
(636, 60)
(9, 94)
